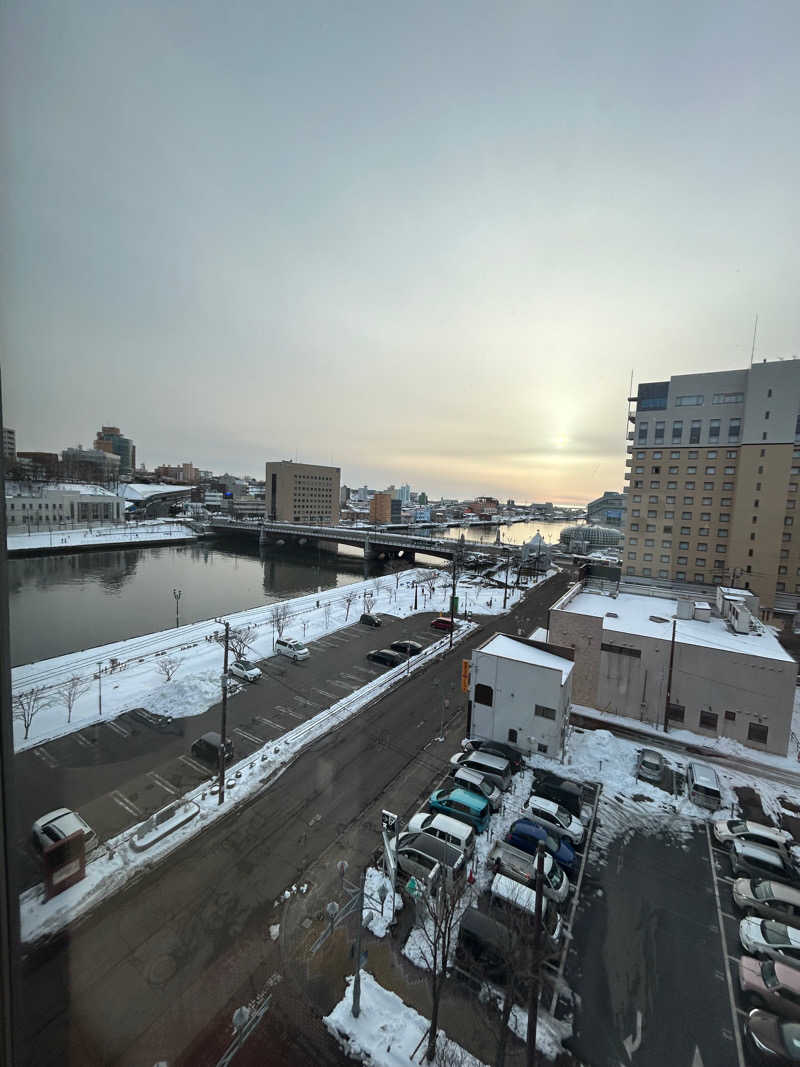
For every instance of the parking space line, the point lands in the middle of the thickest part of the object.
(361, 670)
(325, 693)
(737, 1035)
(347, 686)
(45, 757)
(82, 740)
(165, 785)
(196, 766)
(250, 737)
(728, 915)
(126, 804)
(288, 711)
(352, 678)
(304, 701)
(268, 722)
(116, 728)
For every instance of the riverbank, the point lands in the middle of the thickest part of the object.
(130, 535)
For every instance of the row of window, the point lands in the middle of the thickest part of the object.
(656, 469)
(695, 430)
(709, 720)
(693, 454)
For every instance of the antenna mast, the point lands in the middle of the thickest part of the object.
(753, 349)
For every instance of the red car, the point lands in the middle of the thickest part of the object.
(442, 623)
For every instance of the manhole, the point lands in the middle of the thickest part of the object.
(161, 970)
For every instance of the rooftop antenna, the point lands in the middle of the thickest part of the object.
(753, 349)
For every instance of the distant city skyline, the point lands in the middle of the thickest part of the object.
(425, 244)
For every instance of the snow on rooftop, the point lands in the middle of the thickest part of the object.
(141, 490)
(650, 616)
(508, 648)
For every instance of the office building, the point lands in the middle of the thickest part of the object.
(51, 506)
(81, 464)
(302, 492)
(380, 508)
(110, 439)
(9, 445)
(713, 470)
(607, 509)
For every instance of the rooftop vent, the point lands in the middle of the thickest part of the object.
(612, 615)
(656, 618)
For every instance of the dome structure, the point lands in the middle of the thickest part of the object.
(584, 539)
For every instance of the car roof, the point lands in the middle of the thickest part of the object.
(440, 821)
(704, 775)
(471, 800)
(486, 928)
(466, 774)
(429, 846)
(760, 827)
(543, 804)
(788, 976)
(755, 850)
(792, 933)
(650, 753)
(64, 820)
(212, 737)
(515, 893)
(786, 893)
(493, 763)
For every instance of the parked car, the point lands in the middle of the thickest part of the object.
(418, 853)
(568, 794)
(495, 748)
(57, 825)
(765, 937)
(406, 648)
(761, 861)
(771, 985)
(154, 720)
(206, 748)
(494, 768)
(483, 948)
(726, 831)
(775, 1040)
(443, 623)
(554, 818)
(462, 805)
(288, 646)
(244, 669)
(770, 900)
(368, 619)
(650, 766)
(511, 896)
(526, 835)
(474, 782)
(521, 866)
(453, 831)
(385, 657)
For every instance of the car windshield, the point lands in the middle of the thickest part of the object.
(768, 974)
(737, 826)
(247, 665)
(790, 1035)
(763, 890)
(774, 933)
(557, 876)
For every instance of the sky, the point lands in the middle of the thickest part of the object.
(427, 243)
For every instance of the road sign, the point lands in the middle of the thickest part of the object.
(465, 665)
(388, 821)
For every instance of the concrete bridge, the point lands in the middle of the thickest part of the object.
(376, 543)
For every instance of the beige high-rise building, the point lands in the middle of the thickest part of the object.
(380, 508)
(712, 479)
(302, 492)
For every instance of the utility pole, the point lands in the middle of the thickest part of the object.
(357, 979)
(505, 588)
(177, 593)
(100, 689)
(669, 676)
(224, 723)
(452, 601)
(531, 1058)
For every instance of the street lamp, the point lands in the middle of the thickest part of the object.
(177, 593)
(100, 688)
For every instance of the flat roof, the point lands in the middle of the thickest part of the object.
(650, 616)
(508, 648)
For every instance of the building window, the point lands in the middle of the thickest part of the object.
(670, 499)
(688, 485)
(648, 557)
(713, 430)
(724, 516)
(655, 484)
(688, 500)
(674, 455)
(680, 576)
(788, 521)
(719, 549)
(652, 500)
(688, 401)
(682, 561)
(694, 432)
(655, 470)
(673, 470)
(708, 487)
(631, 555)
(646, 572)
(664, 559)
(669, 515)
(683, 546)
(544, 713)
(728, 398)
(634, 525)
(730, 716)
(541, 748)
(676, 712)
(672, 485)
(484, 694)
(780, 587)
(642, 432)
(756, 731)
(677, 429)
(657, 455)
(708, 720)
(512, 736)
(635, 513)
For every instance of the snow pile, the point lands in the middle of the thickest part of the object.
(387, 1031)
(376, 917)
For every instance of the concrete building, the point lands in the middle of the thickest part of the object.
(385, 508)
(9, 445)
(607, 509)
(729, 675)
(46, 506)
(713, 469)
(90, 464)
(302, 492)
(185, 473)
(520, 693)
(110, 439)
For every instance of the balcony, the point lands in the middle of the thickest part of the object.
(631, 435)
(628, 461)
(627, 476)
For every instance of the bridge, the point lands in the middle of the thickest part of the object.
(376, 543)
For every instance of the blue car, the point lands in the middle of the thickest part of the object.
(526, 834)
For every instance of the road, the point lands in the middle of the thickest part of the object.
(148, 971)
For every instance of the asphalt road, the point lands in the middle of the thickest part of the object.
(141, 977)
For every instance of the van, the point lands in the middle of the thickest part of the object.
(703, 786)
(494, 768)
(476, 783)
(458, 803)
(511, 896)
(288, 646)
(206, 748)
(453, 831)
(418, 854)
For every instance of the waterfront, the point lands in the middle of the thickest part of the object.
(66, 603)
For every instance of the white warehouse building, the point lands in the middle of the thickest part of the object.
(519, 694)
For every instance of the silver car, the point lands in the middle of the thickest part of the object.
(650, 767)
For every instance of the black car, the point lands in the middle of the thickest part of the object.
(406, 648)
(496, 748)
(386, 657)
(568, 794)
(370, 620)
(155, 721)
(483, 948)
(206, 748)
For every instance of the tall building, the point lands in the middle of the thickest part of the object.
(302, 492)
(110, 439)
(9, 445)
(380, 508)
(89, 465)
(713, 469)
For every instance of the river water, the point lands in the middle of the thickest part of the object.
(66, 603)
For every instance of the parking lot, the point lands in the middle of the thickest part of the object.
(118, 772)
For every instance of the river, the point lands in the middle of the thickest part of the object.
(66, 603)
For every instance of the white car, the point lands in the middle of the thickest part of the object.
(765, 937)
(555, 818)
(726, 831)
(287, 646)
(244, 669)
(57, 825)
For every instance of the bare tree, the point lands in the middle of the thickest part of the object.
(440, 914)
(240, 640)
(72, 690)
(279, 616)
(430, 582)
(27, 706)
(349, 600)
(396, 569)
(369, 600)
(168, 667)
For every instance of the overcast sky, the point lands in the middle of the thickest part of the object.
(425, 242)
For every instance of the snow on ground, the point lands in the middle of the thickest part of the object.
(376, 916)
(130, 669)
(387, 1031)
(127, 534)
